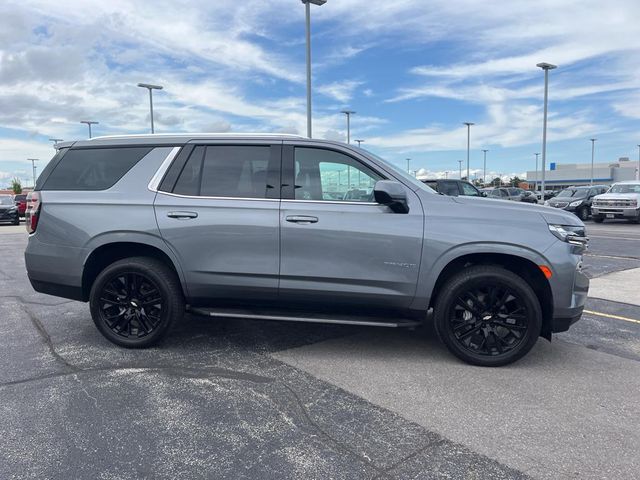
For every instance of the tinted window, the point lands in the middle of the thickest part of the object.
(449, 188)
(332, 176)
(235, 171)
(93, 168)
(433, 185)
(189, 180)
(20, 198)
(6, 200)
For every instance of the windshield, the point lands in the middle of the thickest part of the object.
(401, 173)
(573, 192)
(625, 188)
(6, 200)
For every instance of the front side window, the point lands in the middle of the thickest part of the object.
(469, 190)
(449, 188)
(325, 175)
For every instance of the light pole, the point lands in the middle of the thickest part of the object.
(468, 124)
(55, 141)
(546, 67)
(593, 154)
(89, 123)
(33, 167)
(460, 162)
(446, 174)
(307, 7)
(484, 174)
(150, 87)
(359, 142)
(536, 182)
(408, 162)
(348, 113)
(638, 170)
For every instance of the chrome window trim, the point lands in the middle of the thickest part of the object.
(199, 197)
(157, 178)
(338, 202)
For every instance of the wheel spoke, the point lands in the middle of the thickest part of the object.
(469, 333)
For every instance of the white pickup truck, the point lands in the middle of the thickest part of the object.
(622, 200)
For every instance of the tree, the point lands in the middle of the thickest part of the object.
(496, 182)
(16, 186)
(515, 181)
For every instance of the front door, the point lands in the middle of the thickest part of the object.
(338, 246)
(218, 210)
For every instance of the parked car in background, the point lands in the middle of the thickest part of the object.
(577, 199)
(529, 197)
(506, 193)
(9, 210)
(21, 203)
(547, 194)
(240, 226)
(453, 188)
(622, 200)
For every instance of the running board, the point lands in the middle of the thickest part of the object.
(302, 319)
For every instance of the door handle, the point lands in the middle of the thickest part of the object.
(183, 215)
(301, 219)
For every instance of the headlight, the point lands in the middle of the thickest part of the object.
(570, 234)
(576, 203)
(546, 202)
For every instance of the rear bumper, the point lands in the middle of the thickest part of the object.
(57, 290)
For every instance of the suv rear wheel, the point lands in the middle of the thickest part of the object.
(135, 301)
(488, 316)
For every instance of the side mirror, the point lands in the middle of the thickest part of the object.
(483, 194)
(392, 194)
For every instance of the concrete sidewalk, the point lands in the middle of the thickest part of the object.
(623, 286)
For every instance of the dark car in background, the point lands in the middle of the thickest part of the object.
(21, 203)
(577, 199)
(454, 188)
(8, 210)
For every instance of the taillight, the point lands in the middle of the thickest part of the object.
(33, 211)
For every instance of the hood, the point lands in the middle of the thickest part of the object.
(617, 196)
(494, 207)
(555, 200)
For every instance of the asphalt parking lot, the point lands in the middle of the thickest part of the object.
(247, 399)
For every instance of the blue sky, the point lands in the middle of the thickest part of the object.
(412, 70)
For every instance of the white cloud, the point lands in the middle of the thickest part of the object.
(341, 91)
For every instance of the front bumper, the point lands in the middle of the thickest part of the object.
(9, 216)
(617, 212)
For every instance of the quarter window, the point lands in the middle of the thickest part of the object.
(326, 175)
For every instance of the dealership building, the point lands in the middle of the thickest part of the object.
(565, 175)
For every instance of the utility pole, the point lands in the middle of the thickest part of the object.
(89, 123)
(536, 182)
(408, 162)
(546, 67)
(348, 113)
(307, 7)
(468, 124)
(593, 152)
(151, 87)
(33, 167)
(460, 162)
(484, 174)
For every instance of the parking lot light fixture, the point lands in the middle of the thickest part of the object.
(460, 165)
(484, 172)
(55, 141)
(546, 67)
(468, 124)
(593, 152)
(359, 142)
(89, 123)
(151, 87)
(307, 7)
(33, 167)
(348, 113)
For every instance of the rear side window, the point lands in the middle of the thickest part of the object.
(93, 168)
(235, 171)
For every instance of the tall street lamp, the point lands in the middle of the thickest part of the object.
(55, 141)
(33, 167)
(546, 67)
(359, 142)
(446, 174)
(348, 113)
(536, 182)
(468, 124)
(150, 87)
(408, 162)
(593, 154)
(307, 5)
(89, 123)
(484, 174)
(460, 164)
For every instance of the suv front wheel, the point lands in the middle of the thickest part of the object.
(488, 316)
(135, 301)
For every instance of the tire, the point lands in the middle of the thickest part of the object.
(135, 301)
(598, 219)
(635, 220)
(17, 221)
(583, 213)
(502, 320)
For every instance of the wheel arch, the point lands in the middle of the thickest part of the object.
(110, 252)
(521, 266)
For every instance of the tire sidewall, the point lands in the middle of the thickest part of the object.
(131, 266)
(480, 276)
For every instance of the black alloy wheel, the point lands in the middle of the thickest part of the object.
(583, 213)
(135, 301)
(488, 316)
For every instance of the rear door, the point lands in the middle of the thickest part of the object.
(338, 246)
(218, 210)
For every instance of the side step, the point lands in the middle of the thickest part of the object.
(251, 315)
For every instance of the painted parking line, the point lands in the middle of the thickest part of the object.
(609, 315)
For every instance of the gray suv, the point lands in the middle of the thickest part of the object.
(279, 227)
